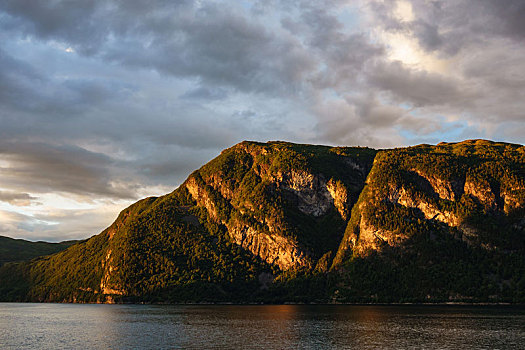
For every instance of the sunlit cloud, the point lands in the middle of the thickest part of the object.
(403, 11)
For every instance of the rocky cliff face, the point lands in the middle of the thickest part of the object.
(257, 237)
(430, 210)
(271, 181)
(466, 196)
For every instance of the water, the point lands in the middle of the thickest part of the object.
(75, 326)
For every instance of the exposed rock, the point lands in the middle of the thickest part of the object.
(482, 191)
(433, 213)
(311, 191)
(354, 165)
(374, 238)
(511, 199)
(274, 249)
(201, 196)
(105, 284)
(401, 196)
(340, 196)
(449, 190)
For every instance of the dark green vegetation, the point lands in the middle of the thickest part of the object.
(281, 222)
(18, 249)
(457, 212)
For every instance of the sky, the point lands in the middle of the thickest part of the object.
(105, 102)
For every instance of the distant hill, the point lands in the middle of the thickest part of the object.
(12, 250)
(277, 222)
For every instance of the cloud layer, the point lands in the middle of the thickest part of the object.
(103, 102)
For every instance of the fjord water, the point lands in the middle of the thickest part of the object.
(76, 326)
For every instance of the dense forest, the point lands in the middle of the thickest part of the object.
(280, 222)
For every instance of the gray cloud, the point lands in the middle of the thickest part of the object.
(481, 43)
(419, 88)
(16, 198)
(57, 225)
(205, 93)
(453, 26)
(428, 35)
(211, 42)
(44, 168)
(359, 120)
(87, 25)
(509, 14)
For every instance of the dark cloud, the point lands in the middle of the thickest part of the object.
(17, 80)
(16, 198)
(428, 35)
(89, 25)
(44, 168)
(68, 21)
(451, 26)
(211, 42)
(509, 14)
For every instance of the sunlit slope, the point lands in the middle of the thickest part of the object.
(156, 250)
(233, 227)
(439, 222)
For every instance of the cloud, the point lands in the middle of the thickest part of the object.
(417, 87)
(20, 225)
(45, 168)
(58, 224)
(17, 199)
(206, 94)
(218, 44)
(506, 17)
(460, 59)
(454, 26)
(362, 120)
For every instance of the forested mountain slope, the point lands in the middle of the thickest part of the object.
(279, 222)
(20, 249)
(443, 222)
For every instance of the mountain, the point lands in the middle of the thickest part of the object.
(443, 222)
(276, 222)
(19, 249)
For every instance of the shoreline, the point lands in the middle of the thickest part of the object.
(502, 304)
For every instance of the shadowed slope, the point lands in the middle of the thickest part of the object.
(19, 249)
